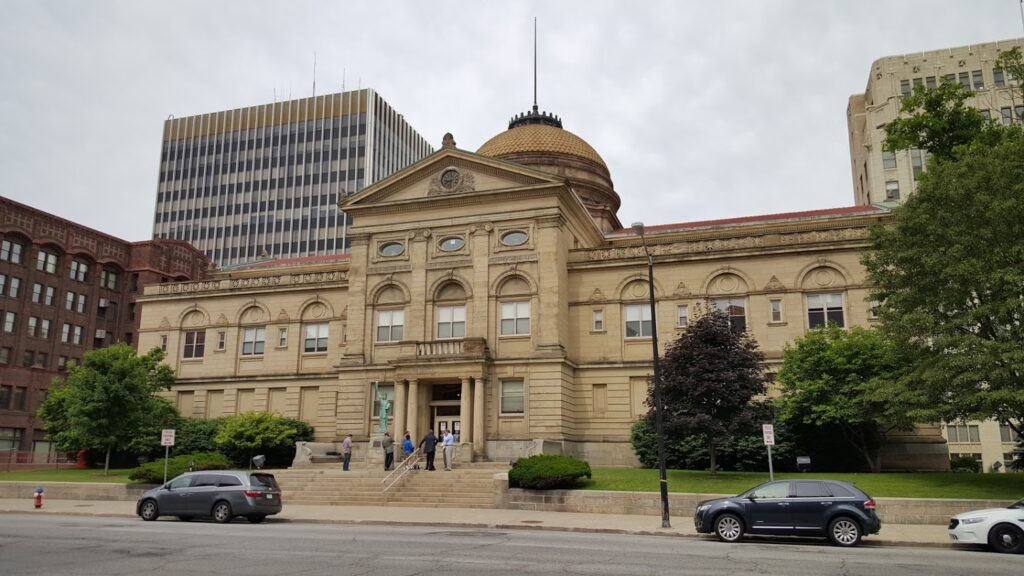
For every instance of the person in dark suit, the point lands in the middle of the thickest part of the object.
(429, 445)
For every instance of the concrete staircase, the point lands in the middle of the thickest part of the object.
(466, 486)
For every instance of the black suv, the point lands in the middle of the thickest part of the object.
(838, 510)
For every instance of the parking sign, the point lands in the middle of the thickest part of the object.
(769, 434)
(167, 437)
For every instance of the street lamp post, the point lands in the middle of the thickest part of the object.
(659, 406)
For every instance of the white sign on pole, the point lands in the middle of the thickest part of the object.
(167, 437)
(769, 434)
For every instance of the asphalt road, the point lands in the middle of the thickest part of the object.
(59, 545)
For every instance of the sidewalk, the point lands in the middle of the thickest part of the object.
(682, 526)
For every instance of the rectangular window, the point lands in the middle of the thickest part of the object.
(252, 341)
(43, 359)
(598, 320)
(511, 396)
(917, 162)
(682, 316)
(316, 337)
(48, 297)
(76, 335)
(65, 333)
(998, 78)
(44, 328)
(776, 310)
(28, 359)
(824, 309)
(222, 340)
(515, 318)
(18, 402)
(163, 342)
(14, 285)
(69, 302)
(905, 88)
(195, 344)
(638, 320)
(5, 354)
(81, 304)
(11, 252)
(282, 338)
(451, 321)
(62, 363)
(892, 190)
(888, 160)
(1006, 434)
(79, 270)
(736, 308)
(108, 279)
(10, 320)
(965, 80)
(929, 82)
(37, 292)
(1007, 115)
(976, 80)
(32, 322)
(390, 325)
(600, 398)
(5, 397)
(963, 433)
(46, 262)
(3, 283)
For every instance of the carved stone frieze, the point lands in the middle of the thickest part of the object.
(449, 264)
(774, 284)
(513, 259)
(597, 295)
(451, 180)
(682, 291)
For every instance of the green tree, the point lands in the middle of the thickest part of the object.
(710, 375)
(1012, 62)
(949, 271)
(847, 379)
(243, 436)
(108, 401)
(936, 120)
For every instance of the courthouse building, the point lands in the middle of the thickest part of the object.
(496, 293)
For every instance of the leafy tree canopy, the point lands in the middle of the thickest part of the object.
(949, 271)
(936, 120)
(846, 379)
(108, 401)
(709, 376)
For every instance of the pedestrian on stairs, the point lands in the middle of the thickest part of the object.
(346, 452)
(407, 447)
(449, 450)
(388, 444)
(429, 445)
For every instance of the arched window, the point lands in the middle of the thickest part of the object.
(514, 306)
(390, 315)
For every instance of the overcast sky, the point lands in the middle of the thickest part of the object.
(701, 110)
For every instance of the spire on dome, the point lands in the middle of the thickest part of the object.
(535, 116)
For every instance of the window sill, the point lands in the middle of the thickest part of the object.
(678, 327)
(636, 338)
(598, 331)
(778, 323)
(514, 336)
(250, 357)
(314, 354)
(387, 343)
(192, 360)
(512, 415)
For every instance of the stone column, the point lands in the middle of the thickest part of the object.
(479, 401)
(401, 401)
(412, 413)
(466, 412)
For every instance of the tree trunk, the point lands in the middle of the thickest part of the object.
(106, 462)
(712, 454)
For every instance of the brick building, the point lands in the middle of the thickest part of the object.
(66, 289)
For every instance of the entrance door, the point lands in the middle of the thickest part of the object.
(446, 418)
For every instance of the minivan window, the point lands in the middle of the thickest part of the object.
(809, 490)
(263, 480)
(226, 480)
(180, 482)
(204, 480)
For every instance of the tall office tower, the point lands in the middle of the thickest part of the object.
(886, 177)
(265, 181)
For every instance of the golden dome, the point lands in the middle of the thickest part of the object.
(541, 138)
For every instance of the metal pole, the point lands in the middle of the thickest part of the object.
(771, 471)
(659, 405)
(167, 453)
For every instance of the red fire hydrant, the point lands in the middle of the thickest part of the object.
(38, 499)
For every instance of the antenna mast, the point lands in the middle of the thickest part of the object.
(535, 63)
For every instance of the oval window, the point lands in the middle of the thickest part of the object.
(514, 238)
(452, 243)
(392, 249)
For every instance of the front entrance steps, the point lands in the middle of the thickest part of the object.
(469, 485)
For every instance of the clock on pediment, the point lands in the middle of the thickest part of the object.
(452, 181)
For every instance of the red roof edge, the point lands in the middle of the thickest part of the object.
(809, 214)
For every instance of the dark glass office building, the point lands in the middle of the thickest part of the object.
(265, 181)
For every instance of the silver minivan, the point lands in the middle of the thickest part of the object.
(221, 494)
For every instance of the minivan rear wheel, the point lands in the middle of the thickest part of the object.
(729, 528)
(222, 512)
(844, 531)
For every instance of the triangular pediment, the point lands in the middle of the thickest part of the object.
(447, 173)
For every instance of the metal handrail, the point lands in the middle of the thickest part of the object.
(400, 470)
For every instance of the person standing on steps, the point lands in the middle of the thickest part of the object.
(407, 447)
(388, 444)
(346, 452)
(429, 445)
(449, 449)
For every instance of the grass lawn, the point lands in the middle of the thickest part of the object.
(904, 485)
(117, 476)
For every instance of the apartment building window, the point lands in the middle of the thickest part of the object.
(76, 335)
(682, 316)
(929, 82)
(888, 160)
(961, 433)
(316, 337)
(5, 354)
(965, 80)
(44, 328)
(917, 162)
(1006, 114)
(42, 359)
(11, 252)
(1007, 434)
(81, 304)
(65, 333)
(998, 79)
(390, 325)
(37, 292)
(515, 318)
(1019, 109)
(905, 89)
(49, 295)
(46, 262)
(598, 320)
(62, 363)
(451, 321)
(18, 399)
(10, 321)
(282, 338)
(28, 359)
(824, 309)
(108, 279)
(79, 270)
(775, 309)
(511, 396)
(195, 344)
(5, 402)
(638, 320)
(976, 80)
(32, 323)
(13, 284)
(3, 283)
(222, 340)
(69, 302)
(892, 190)
(253, 340)
(736, 309)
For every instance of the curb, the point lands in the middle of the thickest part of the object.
(868, 543)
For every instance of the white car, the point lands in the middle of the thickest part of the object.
(1002, 529)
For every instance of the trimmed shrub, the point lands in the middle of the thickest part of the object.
(739, 453)
(153, 472)
(243, 436)
(964, 464)
(196, 435)
(547, 472)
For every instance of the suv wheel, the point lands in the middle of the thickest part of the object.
(844, 531)
(222, 512)
(1006, 538)
(149, 511)
(729, 528)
